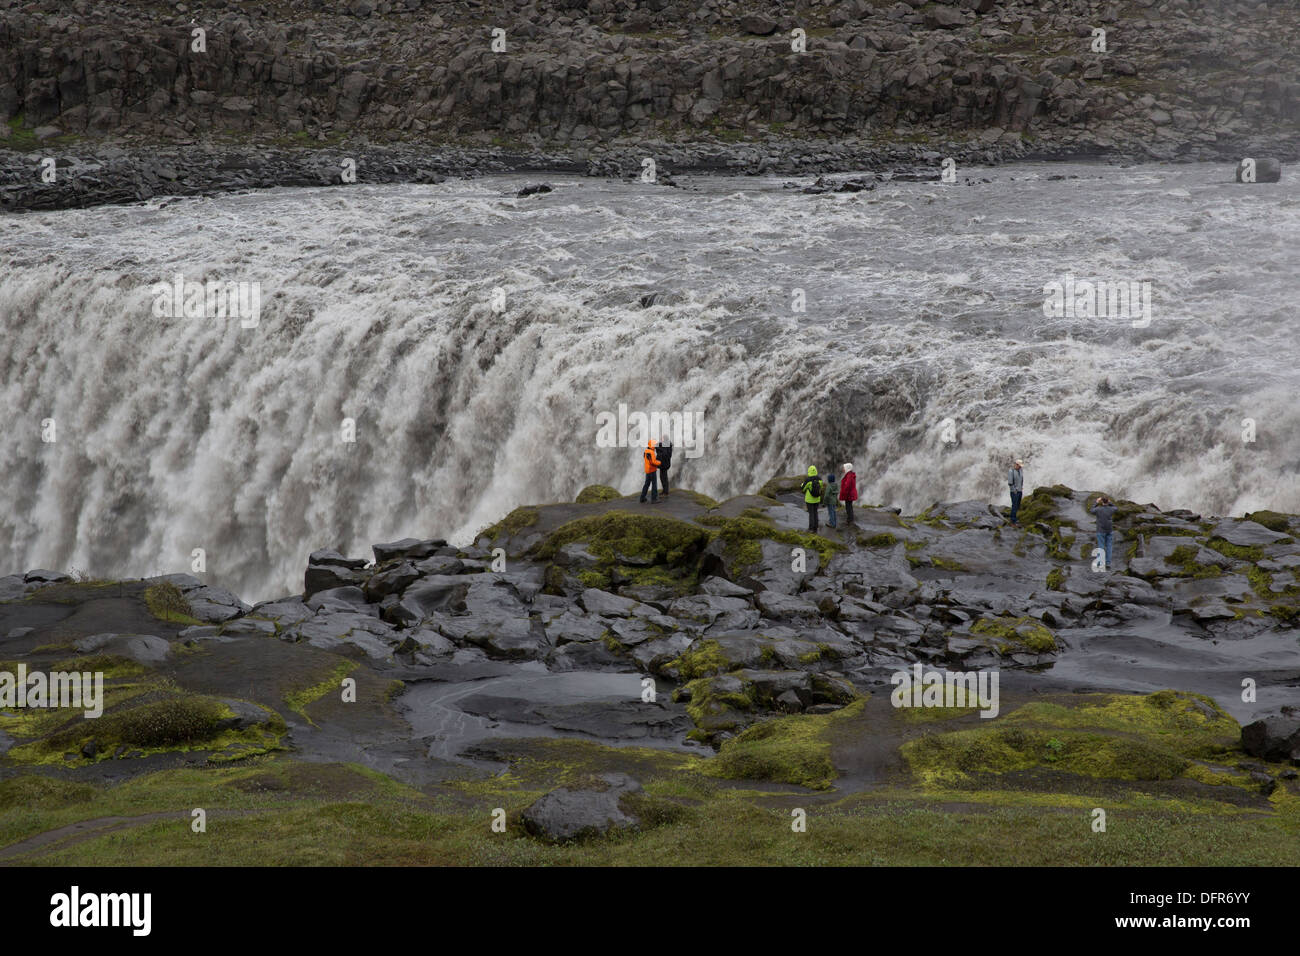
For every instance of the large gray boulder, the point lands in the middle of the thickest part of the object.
(565, 814)
(408, 548)
(1275, 738)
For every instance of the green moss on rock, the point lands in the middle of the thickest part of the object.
(1272, 520)
(166, 603)
(595, 494)
(1010, 635)
(618, 535)
(513, 523)
(794, 749)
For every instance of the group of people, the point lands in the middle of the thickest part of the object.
(831, 490)
(817, 491)
(658, 458)
(1103, 509)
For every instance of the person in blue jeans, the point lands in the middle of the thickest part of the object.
(1016, 482)
(1104, 512)
(831, 493)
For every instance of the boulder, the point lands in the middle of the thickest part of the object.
(330, 557)
(324, 577)
(142, 648)
(43, 576)
(407, 548)
(1246, 534)
(392, 581)
(565, 814)
(595, 601)
(757, 25)
(1274, 738)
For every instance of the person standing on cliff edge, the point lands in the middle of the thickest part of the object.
(651, 473)
(849, 490)
(812, 496)
(664, 451)
(1016, 482)
(1104, 512)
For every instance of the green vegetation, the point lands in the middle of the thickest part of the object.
(1040, 505)
(1183, 558)
(742, 536)
(1018, 790)
(781, 485)
(946, 564)
(882, 540)
(299, 700)
(704, 501)
(1056, 580)
(1272, 520)
(166, 603)
(703, 660)
(1011, 635)
(793, 749)
(619, 537)
(169, 720)
(595, 494)
(718, 703)
(1154, 737)
(513, 523)
(1235, 551)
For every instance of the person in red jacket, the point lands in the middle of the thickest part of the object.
(651, 473)
(849, 490)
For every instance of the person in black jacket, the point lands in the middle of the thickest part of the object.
(664, 450)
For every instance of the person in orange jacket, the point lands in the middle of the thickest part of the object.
(651, 473)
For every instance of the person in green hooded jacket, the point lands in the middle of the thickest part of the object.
(812, 496)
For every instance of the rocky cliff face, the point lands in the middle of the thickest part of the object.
(747, 614)
(1177, 78)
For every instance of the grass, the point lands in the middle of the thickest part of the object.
(299, 700)
(795, 749)
(359, 822)
(1005, 792)
(166, 603)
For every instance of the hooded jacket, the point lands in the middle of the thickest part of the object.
(849, 486)
(651, 462)
(1016, 480)
(665, 453)
(807, 487)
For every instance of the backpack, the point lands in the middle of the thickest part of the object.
(815, 487)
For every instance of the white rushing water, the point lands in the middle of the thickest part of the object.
(924, 302)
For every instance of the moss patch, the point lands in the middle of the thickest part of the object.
(618, 535)
(1237, 552)
(513, 523)
(166, 602)
(1010, 635)
(1272, 520)
(794, 749)
(298, 700)
(595, 494)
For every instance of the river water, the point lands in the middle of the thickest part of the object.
(923, 320)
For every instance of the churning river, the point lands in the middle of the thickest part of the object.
(922, 354)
